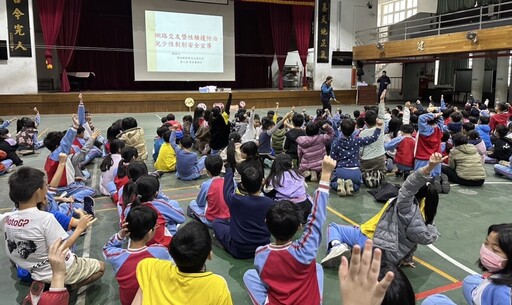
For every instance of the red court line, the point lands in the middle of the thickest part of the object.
(441, 289)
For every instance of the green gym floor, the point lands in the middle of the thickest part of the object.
(462, 219)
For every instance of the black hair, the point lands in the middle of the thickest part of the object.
(357, 113)
(80, 130)
(21, 123)
(504, 232)
(395, 112)
(143, 189)
(347, 127)
(360, 122)
(312, 129)
(113, 131)
(465, 114)
(446, 136)
(141, 220)
(394, 126)
(235, 137)
(198, 114)
(128, 123)
(502, 106)
(170, 117)
(370, 118)
(400, 107)
(190, 247)
(167, 136)
(407, 128)
(282, 164)
(128, 153)
(3, 133)
(215, 112)
(52, 140)
(213, 165)
(251, 179)
(473, 120)
(413, 119)
(267, 123)
(431, 196)
(400, 290)
(283, 220)
(282, 125)
(484, 120)
(23, 183)
(319, 112)
(115, 146)
(447, 112)
(161, 130)
(270, 114)
(473, 135)
(186, 141)
(250, 149)
(456, 117)
(502, 131)
(468, 126)
(298, 120)
(459, 139)
(187, 118)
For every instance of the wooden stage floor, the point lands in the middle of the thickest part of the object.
(158, 101)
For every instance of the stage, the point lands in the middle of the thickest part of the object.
(159, 101)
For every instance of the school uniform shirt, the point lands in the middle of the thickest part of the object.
(162, 283)
(404, 150)
(28, 234)
(185, 160)
(429, 138)
(499, 119)
(125, 261)
(107, 177)
(289, 271)
(211, 198)
(52, 161)
(55, 296)
(166, 160)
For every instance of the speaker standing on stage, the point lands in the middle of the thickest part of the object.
(327, 94)
(383, 81)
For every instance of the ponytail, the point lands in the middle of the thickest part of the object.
(429, 193)
(130, 195)
(143, 190)
(115, 146)
(128, 153)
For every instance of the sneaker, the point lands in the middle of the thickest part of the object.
(333, 258)
(314, 176)
(349, 187)
(306, 174)
(89, 205)
(341, 188)
(445, 184)
(437, 184)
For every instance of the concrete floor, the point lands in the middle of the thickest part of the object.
(462, 219)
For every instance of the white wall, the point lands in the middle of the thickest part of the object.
(17, 74)
(355, 16)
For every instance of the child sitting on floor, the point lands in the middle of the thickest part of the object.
(184, 281)
(286, 272)
(109, 168)
(210, 204)
(137, 231)
(311, 149)
(133, 135)
(166, 160)
(188, 167)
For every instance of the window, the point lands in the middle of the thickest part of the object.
(394, 11)
(436, 73)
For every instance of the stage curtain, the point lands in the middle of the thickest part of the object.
(281, 18)
(67, 38)
(302, 20)
(50, 14)
(265, 31)
(448, 6)
(288, 2)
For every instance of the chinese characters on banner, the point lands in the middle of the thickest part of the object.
(324, 14)
(18, 22)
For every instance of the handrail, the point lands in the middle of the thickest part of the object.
(482, 17)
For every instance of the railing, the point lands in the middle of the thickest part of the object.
(467, 20)
(396, 83)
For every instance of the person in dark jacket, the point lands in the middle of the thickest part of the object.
(220, 127)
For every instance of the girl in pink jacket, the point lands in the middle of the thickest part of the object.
(311, 149)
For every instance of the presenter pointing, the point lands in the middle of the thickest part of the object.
(327, 94)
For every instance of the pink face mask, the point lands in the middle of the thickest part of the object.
(491, 261)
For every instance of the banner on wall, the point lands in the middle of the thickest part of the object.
(324, 18)
(18, 22)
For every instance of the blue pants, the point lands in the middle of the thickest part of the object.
(95, 152)
(421, 163)
(78, 190)
(258, 291)
(469, 284)
(222, 232)
(404, 167)
(199, 213)
(346, 173)
(349, 235)
(501, 170)
(196, 171)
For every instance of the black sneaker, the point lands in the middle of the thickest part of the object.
(89, 205)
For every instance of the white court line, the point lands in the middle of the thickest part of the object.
(82, 292)
(452, 260)
(159, 117)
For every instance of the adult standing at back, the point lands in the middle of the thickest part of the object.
(383, 81)
(327, 94)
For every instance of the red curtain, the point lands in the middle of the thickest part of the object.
(67, 38)
(50, 13)
(281, 18)
(302, 20)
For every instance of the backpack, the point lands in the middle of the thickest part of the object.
(385, 192)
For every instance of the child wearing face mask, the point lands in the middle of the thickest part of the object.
(495, 256)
